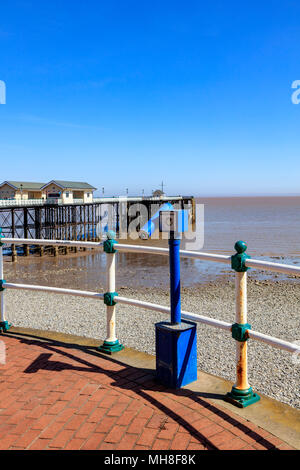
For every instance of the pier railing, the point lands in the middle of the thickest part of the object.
(240, 330)
(21, 202)
(95, 200)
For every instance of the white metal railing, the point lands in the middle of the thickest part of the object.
(53, 200)
(21, 202)
(138, 198)
(36, 202)
(240, 295)
(60, 201)
(78, 201)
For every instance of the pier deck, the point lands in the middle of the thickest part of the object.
(58, 392)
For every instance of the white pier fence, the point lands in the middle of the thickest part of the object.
(111, 298)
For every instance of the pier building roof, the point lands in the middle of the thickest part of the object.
(23, 185)
(70, 185)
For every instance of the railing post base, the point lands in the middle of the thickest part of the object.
(242, 398)
(110, 347)
(4, 326)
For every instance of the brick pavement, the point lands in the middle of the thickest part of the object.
(63, 396)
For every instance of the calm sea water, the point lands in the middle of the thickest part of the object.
(270, 226)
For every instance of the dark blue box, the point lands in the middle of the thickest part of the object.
(176, 353)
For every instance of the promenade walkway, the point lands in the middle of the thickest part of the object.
(59, 392)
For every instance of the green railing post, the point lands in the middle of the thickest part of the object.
(242, 394)
(4, 325)
(111, 343)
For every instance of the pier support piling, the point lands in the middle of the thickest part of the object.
(13, 253)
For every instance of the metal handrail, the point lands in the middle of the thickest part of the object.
(226, 259)
(60, 201)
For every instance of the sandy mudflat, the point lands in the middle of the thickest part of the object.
(273, 308)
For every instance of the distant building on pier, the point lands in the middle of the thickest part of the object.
(158, 193)
(67, 191)
(21, 190)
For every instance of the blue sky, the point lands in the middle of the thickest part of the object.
(124, 94)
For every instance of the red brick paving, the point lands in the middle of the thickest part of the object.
(57, 396)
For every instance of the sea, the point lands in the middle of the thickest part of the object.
(269, 225)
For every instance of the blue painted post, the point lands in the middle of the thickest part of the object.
(174, 257)
(176, 340)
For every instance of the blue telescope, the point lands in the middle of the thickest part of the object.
(176, 340)
(149, 228)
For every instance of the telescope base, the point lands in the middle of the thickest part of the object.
(176, 353)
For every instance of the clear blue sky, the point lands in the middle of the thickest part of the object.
(125, 93)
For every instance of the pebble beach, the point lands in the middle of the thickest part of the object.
(273, 308)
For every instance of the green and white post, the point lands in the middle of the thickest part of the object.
(4, 325)
(111, 343)
(242, 394)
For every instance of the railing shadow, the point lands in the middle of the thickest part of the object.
(144, 381)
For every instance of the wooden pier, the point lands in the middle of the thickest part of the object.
(77, 221)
